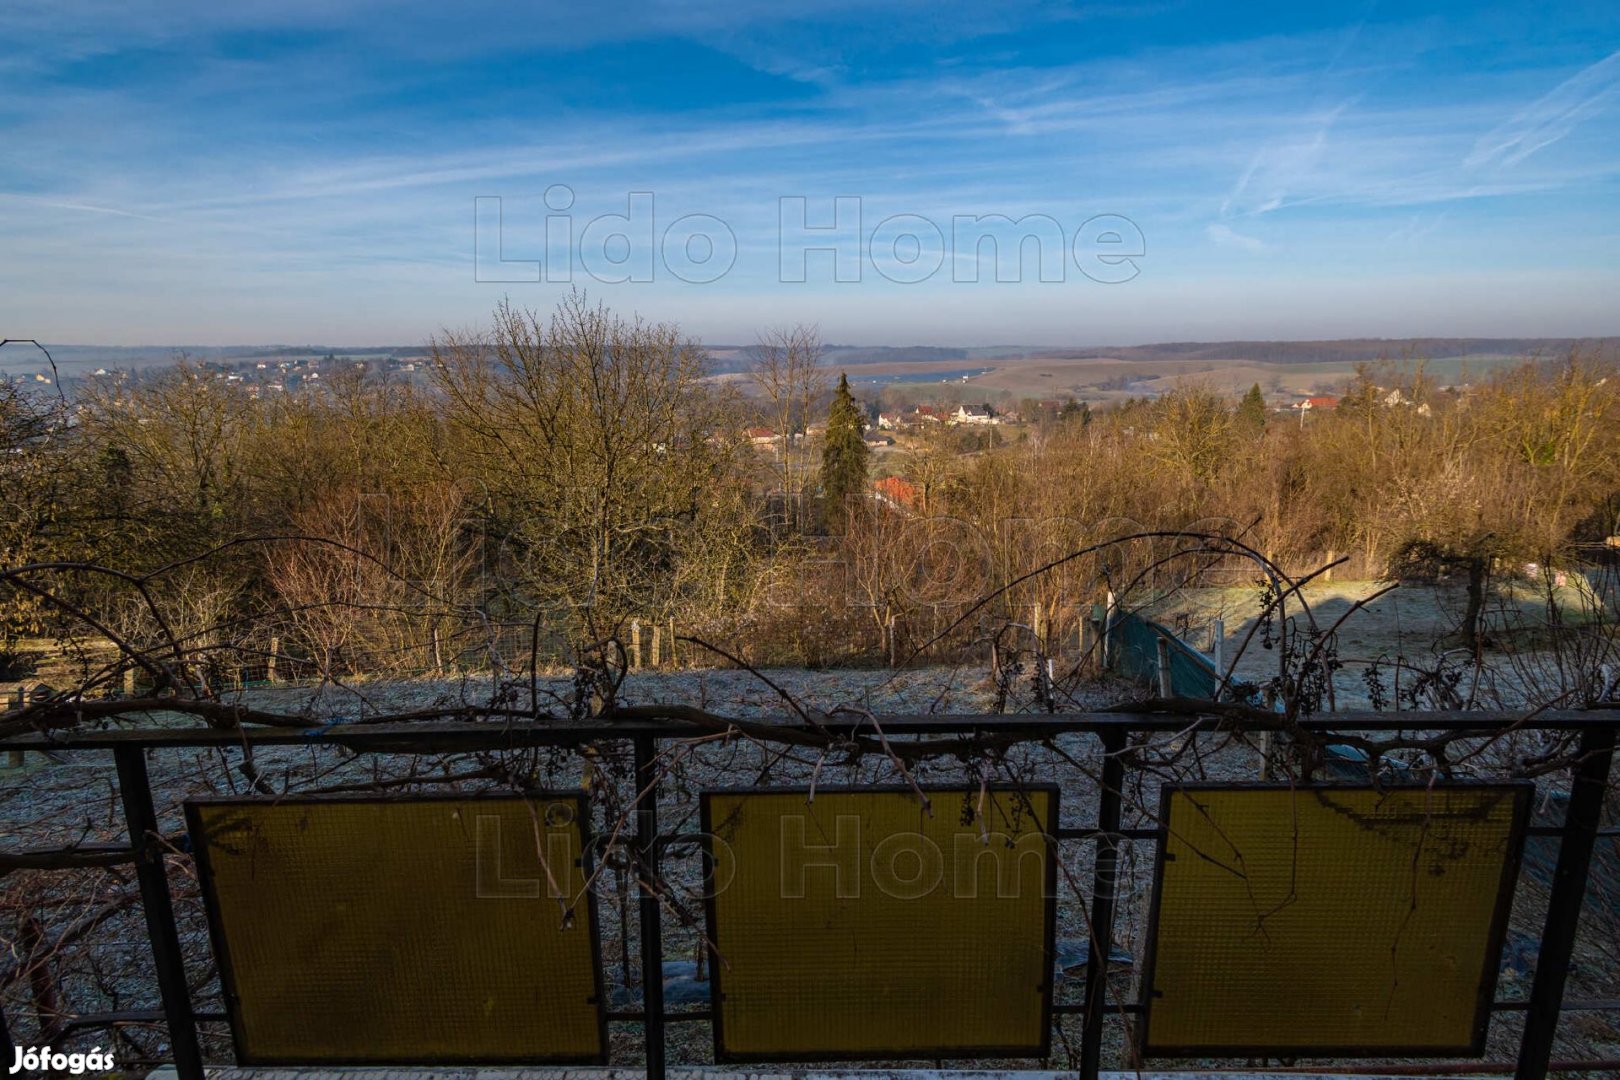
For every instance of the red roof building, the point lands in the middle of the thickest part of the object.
(896, 492)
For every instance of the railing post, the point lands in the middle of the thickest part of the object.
(1103, 881)
(1108, 632)
(1166, 684)
(14, 758)
(139, 814)
(1587, 788)
(652, 931)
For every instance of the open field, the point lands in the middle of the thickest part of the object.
(1100, 380)
(1109, 379)
(1103, 375)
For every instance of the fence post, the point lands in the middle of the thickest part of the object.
(652, 930)
(136, 792)
(1217, 652)
(1166, 685)
(655, 645)
(1267, 738)
(635, 644)
(1102, 901)
(14, 758)
(1587, 786)
(1107, 630)
(270, 664)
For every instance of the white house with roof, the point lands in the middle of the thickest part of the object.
(969, 414)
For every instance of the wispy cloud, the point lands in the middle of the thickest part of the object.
(1417, 227)
(76, 207)
(276, 164)
(1551, 117)
(1225, 234)
(1283, 166)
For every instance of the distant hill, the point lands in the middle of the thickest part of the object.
(733, 358)
(74, 360)
(869, 354)
(1343, 353)
(1347, 351)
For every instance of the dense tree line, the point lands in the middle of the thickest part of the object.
(562, 476)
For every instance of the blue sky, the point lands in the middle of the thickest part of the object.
(283, 172)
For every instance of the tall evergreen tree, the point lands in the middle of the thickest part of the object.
(844, 455)
(1251, 411)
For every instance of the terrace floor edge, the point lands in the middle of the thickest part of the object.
(708, 1072)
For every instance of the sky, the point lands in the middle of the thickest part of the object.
(280, 171)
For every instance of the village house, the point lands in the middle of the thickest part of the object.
(895, 492)
(980, 414)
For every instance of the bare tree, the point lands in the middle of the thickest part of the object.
(785, 365)
(601, 448)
